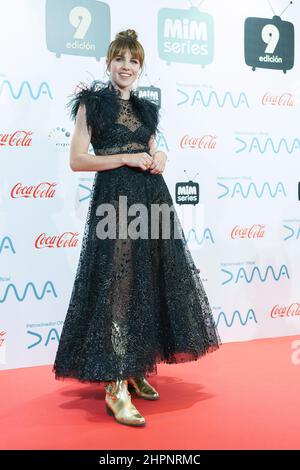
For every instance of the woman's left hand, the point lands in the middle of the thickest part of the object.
(159, 162)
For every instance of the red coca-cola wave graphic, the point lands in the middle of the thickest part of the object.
(285, 99)
(18, 138)
(44, 190)
(291, 310)
(255, 231)
(65, 240)
(206, 142)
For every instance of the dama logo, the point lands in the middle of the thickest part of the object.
(236, 317)
(206, 142)
(285, 99)
(84, 27)
(245, 190)
(25, 90)
(152, 93)
(6, 245)
(291, 232)
(161, 142)
(192, 237)
(212, 98)
(243, 275)
(269, 43)
(185, 36)
(16, 139)
(65, 240)
(30, 288)
(59, 137)
(43, 338)
(259, 145)
(86, 190)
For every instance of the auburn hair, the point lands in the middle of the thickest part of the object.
(126, 40)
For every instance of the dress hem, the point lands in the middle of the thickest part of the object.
(177, 358)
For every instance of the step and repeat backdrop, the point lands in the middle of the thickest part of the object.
(226, 77)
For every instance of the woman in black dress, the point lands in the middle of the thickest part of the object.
(137, 298)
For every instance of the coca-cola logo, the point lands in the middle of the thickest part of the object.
(42, 190)
(16, 139)
(65, 240)
(2, 337)
(285, 99)
(291, 310)
(207, 141)
(255, 231)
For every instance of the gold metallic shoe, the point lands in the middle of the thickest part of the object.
(142, 388)
(118, 404)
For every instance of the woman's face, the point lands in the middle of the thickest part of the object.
(124, 70)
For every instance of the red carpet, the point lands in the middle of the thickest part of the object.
(244, 396)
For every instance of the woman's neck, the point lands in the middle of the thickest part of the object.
(123, 95)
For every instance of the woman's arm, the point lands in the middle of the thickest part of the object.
(80, 159)
(152, 145)
(159, 157)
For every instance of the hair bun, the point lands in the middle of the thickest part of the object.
(129, 33)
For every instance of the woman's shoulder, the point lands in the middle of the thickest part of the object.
(88, 94)
(148, 111)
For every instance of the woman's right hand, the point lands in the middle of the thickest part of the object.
(141, 160)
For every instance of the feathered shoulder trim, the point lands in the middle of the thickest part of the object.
(102, 107)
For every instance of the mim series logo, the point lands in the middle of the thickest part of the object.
(187, 193)
(247, 190)
(249, 274)
(151, 93)
(25, 90)
(185, 36)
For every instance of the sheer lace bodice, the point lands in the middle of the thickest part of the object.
(126, 135)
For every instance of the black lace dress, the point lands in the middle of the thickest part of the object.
(135, 302)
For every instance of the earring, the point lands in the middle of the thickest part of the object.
(138, 81)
